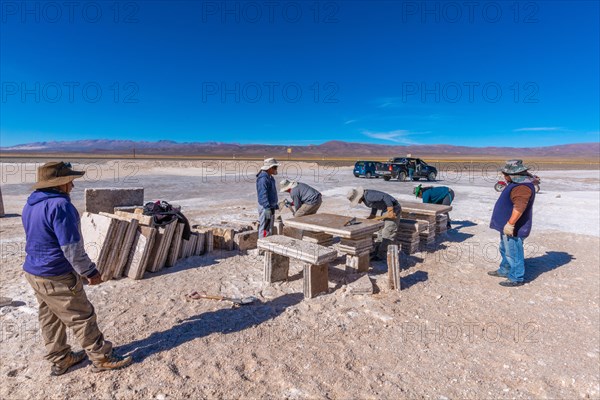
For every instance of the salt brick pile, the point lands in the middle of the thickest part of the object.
(128, 243)
(408, 236)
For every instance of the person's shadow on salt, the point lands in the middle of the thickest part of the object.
(221, 321)
(536, 266)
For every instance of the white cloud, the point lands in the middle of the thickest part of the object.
(397, 136)
(539, 129)
(349, 121)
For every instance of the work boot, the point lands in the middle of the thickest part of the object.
(112, 361)
(67, 362)
(509, 283)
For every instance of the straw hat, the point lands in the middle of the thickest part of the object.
(355, 195)
(286, 185)
(55, 173)
(269, 163)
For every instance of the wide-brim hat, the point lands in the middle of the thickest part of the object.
(355, 195)
(55, 173)
(514, 167)
(286, 185)
(269, 163)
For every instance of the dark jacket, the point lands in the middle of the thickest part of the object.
(54, 245)
(503, 210)
(380, 201)
(266, 190)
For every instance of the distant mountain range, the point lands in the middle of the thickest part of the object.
(331, 149)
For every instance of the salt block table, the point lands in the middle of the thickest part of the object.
(434, 214)
(356, 240)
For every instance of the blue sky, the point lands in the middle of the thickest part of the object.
(299, 72)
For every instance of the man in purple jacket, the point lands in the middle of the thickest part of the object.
(54, 264)
(512, 217)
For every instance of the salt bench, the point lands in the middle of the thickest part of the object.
(314, 257)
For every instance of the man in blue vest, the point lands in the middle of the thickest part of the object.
(512, 217)
(266, 190)
(436, 195)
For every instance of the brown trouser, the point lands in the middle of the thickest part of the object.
(63, 303)
(387, 235)
(309, 209)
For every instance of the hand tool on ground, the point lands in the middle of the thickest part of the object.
(236, 301)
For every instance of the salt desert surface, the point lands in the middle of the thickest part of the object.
(452, 332)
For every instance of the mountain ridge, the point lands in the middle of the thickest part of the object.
(333, 148)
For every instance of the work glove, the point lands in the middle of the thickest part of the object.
(269, 213)
(281, 204)
(509, 230)
(390, 213)
(96, 279)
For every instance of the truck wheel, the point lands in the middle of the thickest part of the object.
(401, 177)
(368, 175)
(386, 178)
(498, 187)
(356, 175)
(431, 176)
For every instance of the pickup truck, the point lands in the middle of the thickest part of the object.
(397, 168)
(391, 170)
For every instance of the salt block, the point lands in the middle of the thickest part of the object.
(359, 284)
(106, 199)
(245, 240)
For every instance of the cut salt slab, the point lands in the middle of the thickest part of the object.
(97, 232)
(359, 284)
(140, 252)
(106, 199)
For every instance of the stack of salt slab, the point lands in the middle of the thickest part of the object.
(426, 234)
(108, 240)
(408, 235)
(441, 223)
(128, 243)
(169, 245)
(230, 235)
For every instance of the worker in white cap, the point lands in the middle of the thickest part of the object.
(266, 189)
(306, 200)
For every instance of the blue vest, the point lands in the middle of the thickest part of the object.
(503, 210)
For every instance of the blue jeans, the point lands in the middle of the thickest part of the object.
(410, 173)
(512, 264)
(266, 221)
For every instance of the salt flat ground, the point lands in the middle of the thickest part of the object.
(452, 332)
